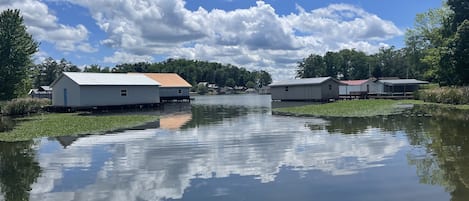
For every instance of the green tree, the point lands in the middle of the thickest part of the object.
(49, 70)
(16, 49)
(264, 78)
(461, 53)
(230, 82)
(202, 89)
(250, 84)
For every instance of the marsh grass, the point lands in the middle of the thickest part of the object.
(52, 125)
(21, 106)
(355, 108)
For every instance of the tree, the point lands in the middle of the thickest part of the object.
(49, 70)
(230, 82)
(250, 84)
(202, 89)
(16, 49)
(264, 78)
(461, 53)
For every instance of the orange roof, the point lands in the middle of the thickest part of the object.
(168, 79)
(353, 82)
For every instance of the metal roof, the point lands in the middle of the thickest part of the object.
(45, 88)
(353, 82)
(109, 79)
(304, 81)
(168, 79)
(403, 81)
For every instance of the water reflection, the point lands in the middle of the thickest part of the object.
(445, 158)
(6, 124)
(158, 164)
(18, 169)
(225, 151)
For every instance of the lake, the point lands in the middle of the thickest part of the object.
(233, 148)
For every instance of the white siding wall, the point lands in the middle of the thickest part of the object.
(73, 93)
(332, 92)
(346, 89)
(174, 92)
(302, 92)
(376, 87)
(111, 95)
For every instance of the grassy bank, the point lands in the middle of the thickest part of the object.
(52, 125)
(354, 108)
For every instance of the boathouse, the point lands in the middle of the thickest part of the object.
(41, 92)
(76, 90)
(401, 85)
(307, 89)
(173, 86)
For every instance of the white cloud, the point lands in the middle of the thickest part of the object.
(122, 57)
(255, 38)
(44, 26)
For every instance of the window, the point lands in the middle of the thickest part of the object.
(123, 92)
(179, 91)
(286, 88)
(330, 87)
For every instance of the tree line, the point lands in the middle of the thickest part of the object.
(436, 49)
(192, 71)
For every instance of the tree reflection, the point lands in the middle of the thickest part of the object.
(209, 114)
(446, 162)
(18, 169)
(441, 136)
(6, 124)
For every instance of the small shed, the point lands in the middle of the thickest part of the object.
(173, 86)
(308, 89)
(401, 85)
(354, 87)
(41, 92)
(74, 89)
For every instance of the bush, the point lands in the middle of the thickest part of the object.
(23, 106)
(447, 95)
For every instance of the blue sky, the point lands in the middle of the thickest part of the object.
(267, 35)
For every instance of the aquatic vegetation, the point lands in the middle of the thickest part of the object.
(51, 125)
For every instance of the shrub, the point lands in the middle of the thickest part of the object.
(448, 95)
(23, 106)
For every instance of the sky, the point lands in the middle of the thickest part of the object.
(271, 35)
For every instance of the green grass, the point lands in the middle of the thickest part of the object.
(354, 108)
(52, 125)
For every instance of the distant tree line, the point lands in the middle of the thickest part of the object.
(191, 70)
(437, 50)
(202, 71)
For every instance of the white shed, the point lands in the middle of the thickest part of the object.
(369, 86)
(173, 86)
(308, 89)
(73, 89)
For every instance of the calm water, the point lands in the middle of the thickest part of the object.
(232, 148)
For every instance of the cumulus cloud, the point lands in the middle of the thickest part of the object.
(256, 37)
(44, 26)
(122, 57)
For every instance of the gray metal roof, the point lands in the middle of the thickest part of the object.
(46, 88)
(116, 79)
(403, 81)
(304, 81)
